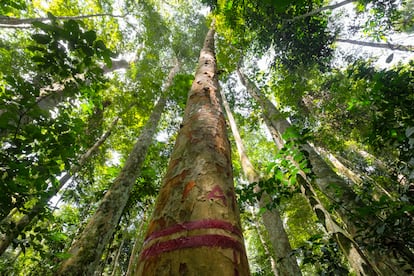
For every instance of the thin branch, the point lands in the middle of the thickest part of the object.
(13, 22)
(396, 47)
(329, 7)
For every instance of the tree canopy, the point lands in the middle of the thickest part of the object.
(327, 128)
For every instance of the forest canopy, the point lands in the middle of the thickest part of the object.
(210, 137)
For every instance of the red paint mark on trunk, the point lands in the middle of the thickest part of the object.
(192, 225)
(217, 193)
(191, 242)
(190, 185)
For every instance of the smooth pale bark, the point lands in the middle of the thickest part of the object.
(195, 228)
(115, 267)
(355, 256)
(139, 239)
(87, 250)
(274, 120)
(13, 230)
(266, 247)
(286, 262)
(388, 46)
(342, 169)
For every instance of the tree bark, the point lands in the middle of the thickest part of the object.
(195, 228)
(285, 261)
(12, 231)
(329, 183)
(87, 250)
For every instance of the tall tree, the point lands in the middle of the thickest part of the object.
(195, 228)
(88, 248)
(328, 182)
(286, 262)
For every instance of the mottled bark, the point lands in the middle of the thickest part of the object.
(87, 250)
(12, 231)
(286, 262)
(195, 228)
(274, 120)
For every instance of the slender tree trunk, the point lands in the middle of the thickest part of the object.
(87, 249)
(139, 238)
(266, 247)
(286, 261)
(327, 181)
(12, 230)
(351, 250)
(388, 46)
(195, 228)
(115, 266)
(377, 190)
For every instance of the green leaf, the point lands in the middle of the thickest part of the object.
(43, 26)
(51, 16)
(261, 211)
(89, 36)
(63, 255)
(99, 44)
(107, 58)
(41, 38)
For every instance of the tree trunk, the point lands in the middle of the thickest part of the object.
(139, 238)
(329, 183)
(13, 230)
(115, 266)
(356, 179)
(265, 245)
(87, 249)
(286, 262)
(195, 228)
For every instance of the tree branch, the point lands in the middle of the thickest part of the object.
(13, 22)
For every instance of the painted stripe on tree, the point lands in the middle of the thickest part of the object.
(193, 225)
(191, 242)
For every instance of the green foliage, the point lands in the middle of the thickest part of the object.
(68, 50)
(322, 253)
(283, 172)
(263, 24)
(179, 89)
(10, 7)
